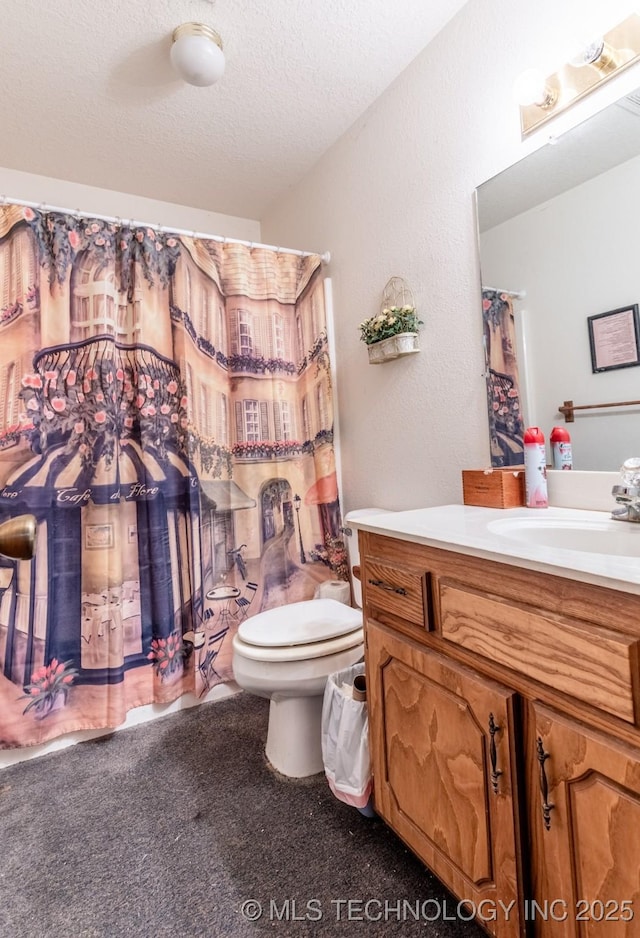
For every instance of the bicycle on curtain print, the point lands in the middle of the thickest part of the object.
(238, 559)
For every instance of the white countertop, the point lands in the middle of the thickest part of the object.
(465, 529)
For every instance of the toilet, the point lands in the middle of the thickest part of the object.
(286, 654)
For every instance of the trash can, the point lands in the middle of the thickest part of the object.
(345, 739)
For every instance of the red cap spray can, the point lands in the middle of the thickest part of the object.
(561, 448)
(535, 469)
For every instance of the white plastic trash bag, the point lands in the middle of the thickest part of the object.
(345, 739)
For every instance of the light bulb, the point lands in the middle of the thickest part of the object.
(589, 54)
(597, 53)
(196, 54)
(530, 87)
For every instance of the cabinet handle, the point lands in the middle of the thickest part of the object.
(547, 807)
(493, 753)
(388, 586)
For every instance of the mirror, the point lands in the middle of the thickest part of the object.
(561, 230)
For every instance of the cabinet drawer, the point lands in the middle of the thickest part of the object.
(394, 590)
(591, 663)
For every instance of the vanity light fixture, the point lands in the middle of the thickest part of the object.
(543, 97)
(196, 54)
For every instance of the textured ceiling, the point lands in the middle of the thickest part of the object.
(89, 95)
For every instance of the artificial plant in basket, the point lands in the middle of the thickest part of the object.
(390, 321)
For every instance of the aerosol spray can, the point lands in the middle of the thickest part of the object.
(561, 448)
(535, 469)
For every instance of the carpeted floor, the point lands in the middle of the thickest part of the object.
(179, 828)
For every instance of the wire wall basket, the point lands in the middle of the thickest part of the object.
(397, 304)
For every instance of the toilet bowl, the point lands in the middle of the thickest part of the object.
(286, 655)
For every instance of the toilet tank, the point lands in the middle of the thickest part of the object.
(351, 543)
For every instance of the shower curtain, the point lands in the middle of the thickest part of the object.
(166, 414)
(503, 385)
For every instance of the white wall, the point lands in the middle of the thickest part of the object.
(558, 252)
(395, 197)
(91, 200)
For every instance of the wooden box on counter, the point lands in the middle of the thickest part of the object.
(494, 488)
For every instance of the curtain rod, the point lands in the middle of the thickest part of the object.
(133, 223)
(516, 294)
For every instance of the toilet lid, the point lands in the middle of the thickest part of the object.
(316, 620)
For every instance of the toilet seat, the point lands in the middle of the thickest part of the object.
(305, 623)
(285, 653)
(299, 631)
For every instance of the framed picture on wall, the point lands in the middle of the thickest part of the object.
(98, 536)
(614, 338)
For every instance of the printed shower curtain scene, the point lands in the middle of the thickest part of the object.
(166, 414)
(506, 428)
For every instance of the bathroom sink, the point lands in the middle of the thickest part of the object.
(598, 536)
(578, 543)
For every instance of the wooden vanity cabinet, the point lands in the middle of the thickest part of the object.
(442, 746)
(503, 714)
(585, 828)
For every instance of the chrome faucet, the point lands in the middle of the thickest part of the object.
(628, 494)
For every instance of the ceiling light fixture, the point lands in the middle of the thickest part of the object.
(196, 54)
(541, 98)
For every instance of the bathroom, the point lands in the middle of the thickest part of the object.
(392, 195)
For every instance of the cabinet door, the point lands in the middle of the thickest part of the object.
(584, 801)
(444, 773)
